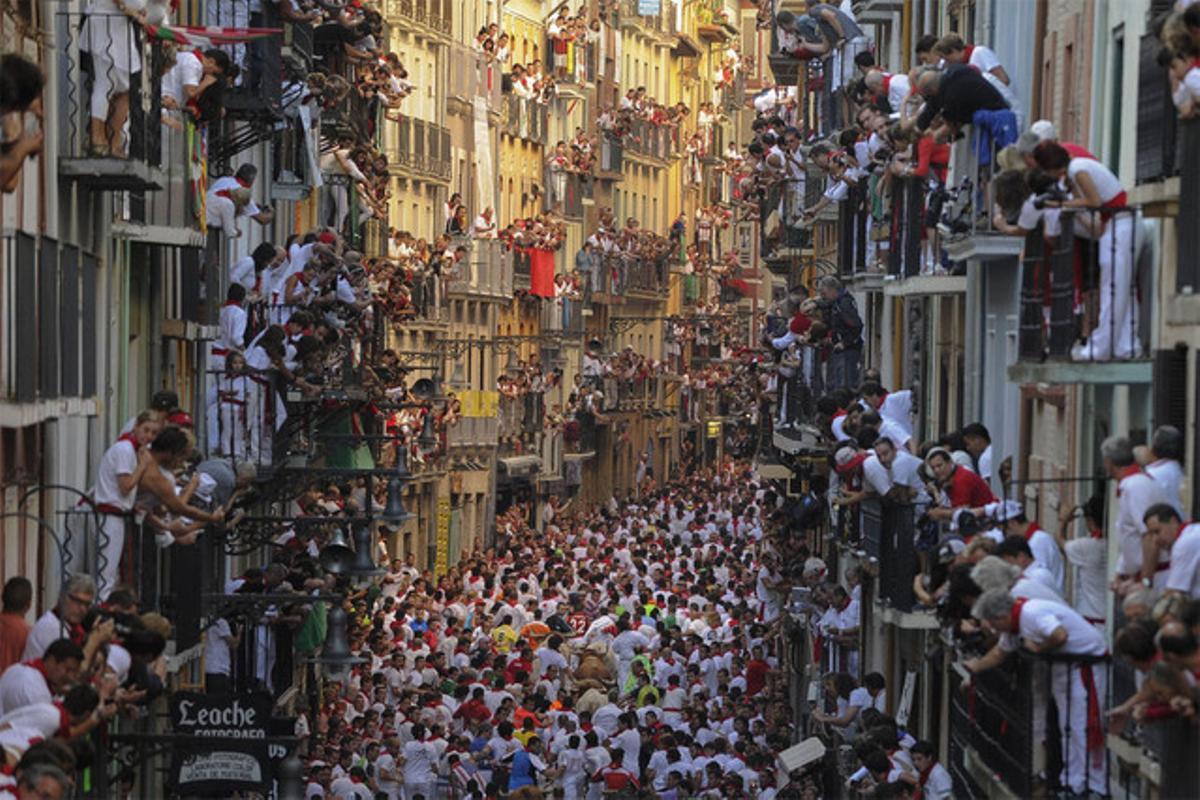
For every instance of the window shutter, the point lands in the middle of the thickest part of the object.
(1170, 382)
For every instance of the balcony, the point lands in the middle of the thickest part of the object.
(1159, 147)
(128, 160)
(486, 272)
(612, 158)
(965, 225)
(566, 192)
(661, 24)
(650, 141)
(733, 98)
(714, 23)
(520, 423)
(1063, 299)
(521, 268)
(646, 395)
(476, 431)
(887, 533)
(581, 66)
(997, 722)
(48, 302)
(622, 275)
(563, 315)
(525, 119)
(784, 68)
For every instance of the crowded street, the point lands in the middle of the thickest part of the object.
(600, 399)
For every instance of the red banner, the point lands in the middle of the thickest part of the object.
(541, 273)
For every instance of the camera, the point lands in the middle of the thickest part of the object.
(1055, 195)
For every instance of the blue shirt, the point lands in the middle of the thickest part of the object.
(523, 772)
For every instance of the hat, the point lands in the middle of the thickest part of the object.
(950, 549)
(1008, 510)
(1044, 129)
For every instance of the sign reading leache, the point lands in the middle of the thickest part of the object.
(236, 757)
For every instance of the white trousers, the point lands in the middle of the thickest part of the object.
(1115, 334)
(108, 553)
(1081, 770)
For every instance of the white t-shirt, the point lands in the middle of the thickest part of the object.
(898, 89)
(120, 459)
(897, 406)
(1135, 494)
(1046, 552)
(387, 761)
(1107, 184)
(1189, 88)
(217, 654)
(1040, 618)
(229, 183)
(45, 632)
(23, 685)
(938, 785)
(420, 760)
(983, 58)
(1168, 474)
(1089, 556)
(242, 272)
(1184, 575)
(891, 429)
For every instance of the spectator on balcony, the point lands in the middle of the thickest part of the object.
(14, 630)
(1051, 627)
(1185, 80)
(846, 332)
(52, 673)
(839, 29)
(951, 49)
(959, 96)
(118, 476)
(20, 111)
(1015, 550)
(1181, 540)
(1096, 189)
(1043, 547)
(223, 208)
(1088, 554)
(896, 406)
(484, 226)
(978, 442)
(1138, 562)
(108, 36)
(889, 88)
(960, 487)
(1165, 465)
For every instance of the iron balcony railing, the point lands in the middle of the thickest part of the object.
(611, 154)
(887, 536)
(623, 273)
(1158, 147)
(906, 229)
(581, 58)
(566, 192)
(648, 139)
(487, 269)
(257, 94)
(1086, 299)
(854, 225)
(526, 119)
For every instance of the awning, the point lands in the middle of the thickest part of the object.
(519, 467)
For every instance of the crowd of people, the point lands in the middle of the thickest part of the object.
(623, 648)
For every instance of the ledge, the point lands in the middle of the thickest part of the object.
(20, 415)
(924, 285)
(159, 234)
(908, 620)
(1096, 372)
(112, 174)
(866, 281)
(984, 247)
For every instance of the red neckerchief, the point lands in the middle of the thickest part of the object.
(967, 51)
(1015, 616)
(1030, 531)
(128, 437)
(1132, 469)
(40, 666)
(1096, 533)
(229, 303)
(64, 721)
(887, 84)
(844, 605)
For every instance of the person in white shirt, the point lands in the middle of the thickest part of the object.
(895, 406)
(1138, 560)
(1010, 515)
(387, 771)
(38, 681)
(1182, 541)
(1016, 550)
(121, 469)
(1167, 448)
(352, 786)
(221, 205)
(420, 764)
(850, 698)
(889, 471)
(953, 50)
(895, 88)
(933, 779)
(1047, 626)
(74, 601)
(231, 327)
(219, 641)
(1089, 555)
(978, 442)
(627, 644)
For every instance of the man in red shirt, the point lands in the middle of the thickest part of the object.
(963, 487)
(14, 630)
(474, 710)
(756, 672)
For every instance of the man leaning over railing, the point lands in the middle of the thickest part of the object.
(1078, 679)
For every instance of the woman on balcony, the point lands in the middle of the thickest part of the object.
(1103, 217)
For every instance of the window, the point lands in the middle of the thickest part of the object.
(1117, 60)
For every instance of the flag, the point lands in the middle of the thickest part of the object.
(203, 38)
(541, 272)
